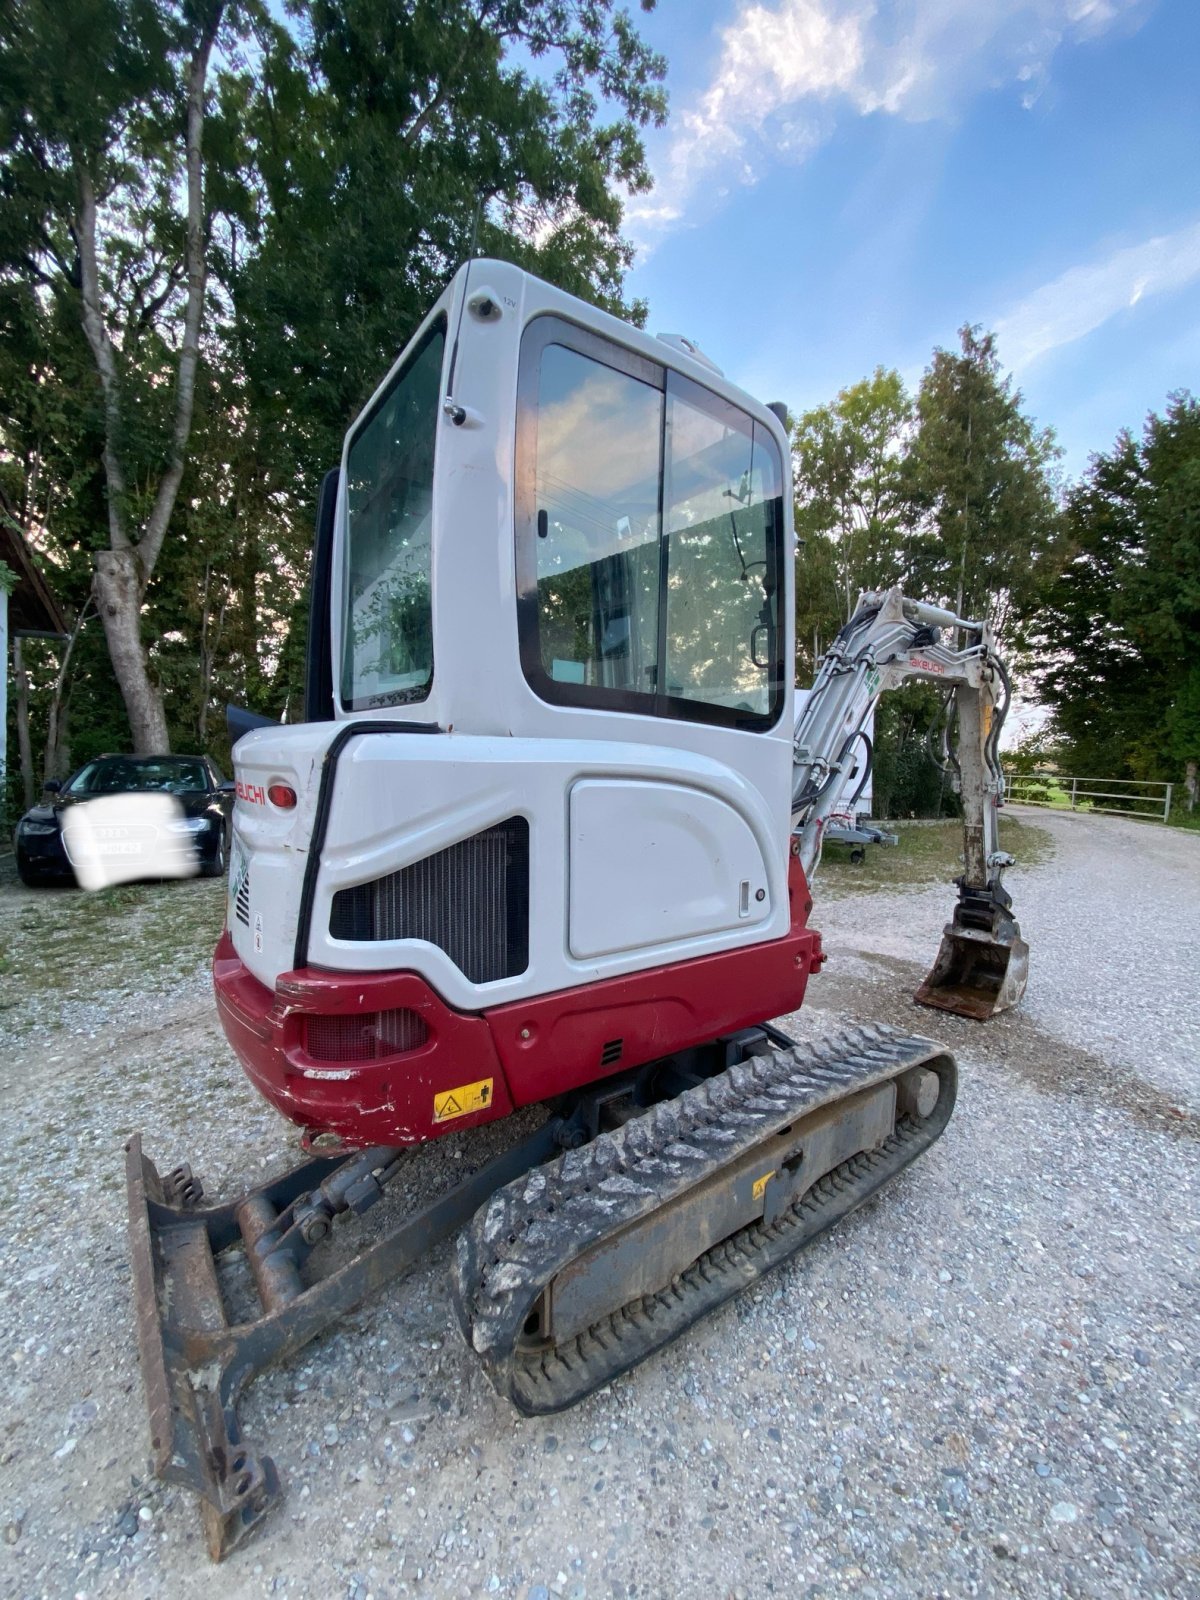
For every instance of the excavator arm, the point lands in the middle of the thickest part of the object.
(982, 965)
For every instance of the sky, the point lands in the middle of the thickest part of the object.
(843, 183)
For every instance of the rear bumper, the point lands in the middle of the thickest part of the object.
(380, 1058)
(316, 1049)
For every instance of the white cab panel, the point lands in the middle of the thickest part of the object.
(400, 797)
(656, 863)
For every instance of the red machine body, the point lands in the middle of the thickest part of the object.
(380, 1058)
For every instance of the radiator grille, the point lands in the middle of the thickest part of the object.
(470, 900)
(364, 1038)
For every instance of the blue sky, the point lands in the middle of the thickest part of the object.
(843, 183)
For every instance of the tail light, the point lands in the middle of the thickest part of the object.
(282, 795)
(374, 1037)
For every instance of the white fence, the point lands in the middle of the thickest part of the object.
(1119, 797)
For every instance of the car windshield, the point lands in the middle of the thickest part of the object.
(134, 774)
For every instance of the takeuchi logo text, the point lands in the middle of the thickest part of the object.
(253, 793)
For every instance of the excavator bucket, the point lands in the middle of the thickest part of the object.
(983, 964)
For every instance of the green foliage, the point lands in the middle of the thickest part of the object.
(985, 520)
(1119, 635)
(907, 781)
(352, 153)
(951, 495)
(850, 486)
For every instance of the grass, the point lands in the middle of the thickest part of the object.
(928, 852)
(64, 944)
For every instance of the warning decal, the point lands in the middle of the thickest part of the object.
(461, 1102)
(761, 1183)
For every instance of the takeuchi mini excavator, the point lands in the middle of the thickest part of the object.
(544, 839)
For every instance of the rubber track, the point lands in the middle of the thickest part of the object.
(531, 1229)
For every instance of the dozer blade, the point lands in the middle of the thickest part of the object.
(983, 964)
(577, 1272)
(193, 1364)
(196, 1362)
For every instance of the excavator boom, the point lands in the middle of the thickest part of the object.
(983, 963)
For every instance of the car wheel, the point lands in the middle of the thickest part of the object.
(215, 866)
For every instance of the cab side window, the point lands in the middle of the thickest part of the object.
(649, 537)
(596, 541)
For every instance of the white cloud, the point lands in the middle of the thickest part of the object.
(786, 71)
(1084, 297)
(796, 56)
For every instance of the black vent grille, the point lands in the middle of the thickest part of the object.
(471, 900)
(241, 905)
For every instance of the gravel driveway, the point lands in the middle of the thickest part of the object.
(983, 1383)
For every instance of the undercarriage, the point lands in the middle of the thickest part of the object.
(638, 1206)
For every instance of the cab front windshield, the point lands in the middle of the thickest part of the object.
(387, 648)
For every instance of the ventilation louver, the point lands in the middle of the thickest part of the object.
(471, 900)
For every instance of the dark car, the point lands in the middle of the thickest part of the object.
(203, 795)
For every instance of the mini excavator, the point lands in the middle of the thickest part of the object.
(544, 839)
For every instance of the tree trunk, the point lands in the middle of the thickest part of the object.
(25, 749)
(53, 763)
(119, 601)
(122, 572)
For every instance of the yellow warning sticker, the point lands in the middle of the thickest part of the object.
(461, 1102)
(761, 1183)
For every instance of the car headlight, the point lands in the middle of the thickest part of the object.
(190, 825)
(39, 828)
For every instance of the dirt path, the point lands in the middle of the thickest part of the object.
(984, 1383)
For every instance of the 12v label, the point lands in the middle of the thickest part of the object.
(461, 1102)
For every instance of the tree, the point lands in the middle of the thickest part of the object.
(240, 214)
(981, 486)
(1119, 633)
(384, 141)
(850, 487)
(109, 101)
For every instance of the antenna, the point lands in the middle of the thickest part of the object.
(450, 405)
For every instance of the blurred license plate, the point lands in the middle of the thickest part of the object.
(119, 847)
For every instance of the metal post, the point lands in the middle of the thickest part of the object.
(1074, 787)
(1167, 804)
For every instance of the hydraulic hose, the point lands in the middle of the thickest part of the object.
(866, 739)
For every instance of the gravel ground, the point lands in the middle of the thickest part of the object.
(985, 1382)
